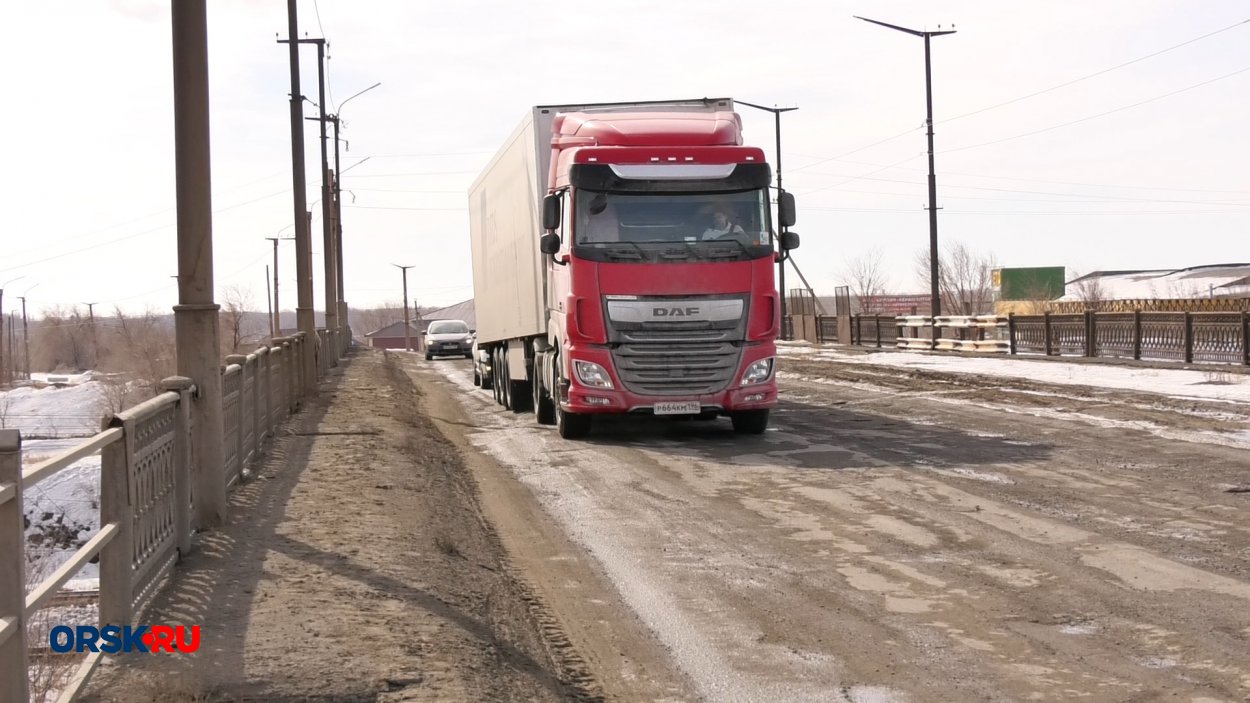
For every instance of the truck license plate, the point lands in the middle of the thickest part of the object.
(688, 407)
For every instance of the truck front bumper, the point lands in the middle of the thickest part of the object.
(580, 398)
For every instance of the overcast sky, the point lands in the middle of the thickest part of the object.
(1143, 166)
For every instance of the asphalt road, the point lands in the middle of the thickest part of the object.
(912, 537)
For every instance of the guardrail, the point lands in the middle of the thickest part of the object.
(1164, 336)
(146, 500)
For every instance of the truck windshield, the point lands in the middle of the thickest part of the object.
(604, 219)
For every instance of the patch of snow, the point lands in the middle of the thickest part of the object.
(74, 411)
(1177, 383)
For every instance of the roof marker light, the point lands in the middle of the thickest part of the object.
(689, 158)
(655, 158)
(592, 158)
(672, 158)
(750, 158)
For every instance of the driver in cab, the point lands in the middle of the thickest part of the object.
(722, 224)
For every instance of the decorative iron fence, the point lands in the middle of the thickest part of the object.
(1189, 337)
(146, 499)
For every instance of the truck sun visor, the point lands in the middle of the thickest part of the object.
(675, 177)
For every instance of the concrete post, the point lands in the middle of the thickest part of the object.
(240, 430)
(13, 683)
(259, 357)
(183, 460)
(117, 557)
(196, 315)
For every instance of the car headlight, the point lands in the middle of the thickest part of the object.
(468, 340)
(758, 372)
(592, 374)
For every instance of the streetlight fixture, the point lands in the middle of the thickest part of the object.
(407, 334)
(936, 299)
(781, 265)
(338, 211)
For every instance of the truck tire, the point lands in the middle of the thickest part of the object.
(477, 378)
(496, 379)
(750, 421)
(572, 425)
(544, 407)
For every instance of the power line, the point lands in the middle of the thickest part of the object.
(1066, 183)
(1092, 75)
(856, 151)
(1114, 198)
(378, 207)
(1101, 114)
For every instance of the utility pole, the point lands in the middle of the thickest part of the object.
(934, 290)
(6, 283)
(95, 342)
(781, 265)
(338, 212)
(273, 330)
(303, 242)
(407, 333)
(329, 255)
(276, 323)
(25, 339)
(196, 317)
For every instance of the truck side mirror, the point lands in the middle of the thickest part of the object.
(789, 240)
(549, 243)
(551, 213)
(785, 210)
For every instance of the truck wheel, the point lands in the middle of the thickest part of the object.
(477, 378)
(496, 378)
(505, 382)
(750, 421)
(544, 407)
(572, 425)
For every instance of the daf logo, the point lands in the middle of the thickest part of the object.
(674, 312)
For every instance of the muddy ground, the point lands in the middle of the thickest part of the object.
(914, 536)
(895, 536)
(358, 566)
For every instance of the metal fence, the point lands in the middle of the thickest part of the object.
(1188, 337)
(146, 502)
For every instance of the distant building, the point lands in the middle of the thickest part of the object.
(392, 336)
(1213, 281)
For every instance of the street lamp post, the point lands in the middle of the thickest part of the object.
(407, 335)
(338, 209)
(781, 264)
(936, 298)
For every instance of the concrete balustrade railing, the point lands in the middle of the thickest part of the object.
(146, 498)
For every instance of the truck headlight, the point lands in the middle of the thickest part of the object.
(758, 372)
(591, 374)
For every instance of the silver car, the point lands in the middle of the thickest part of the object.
(448, 338)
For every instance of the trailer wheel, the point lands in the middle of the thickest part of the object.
(505, 381)
(496, 382)
(750, 421)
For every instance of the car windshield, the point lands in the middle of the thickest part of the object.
(448, 327)
(609, 218)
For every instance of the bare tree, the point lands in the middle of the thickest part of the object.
(6, 403)
(1089, 290)
(867, 280)
(147, 342)
(965, 279)
(235, 303)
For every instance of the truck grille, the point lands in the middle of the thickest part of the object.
(676, 367)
